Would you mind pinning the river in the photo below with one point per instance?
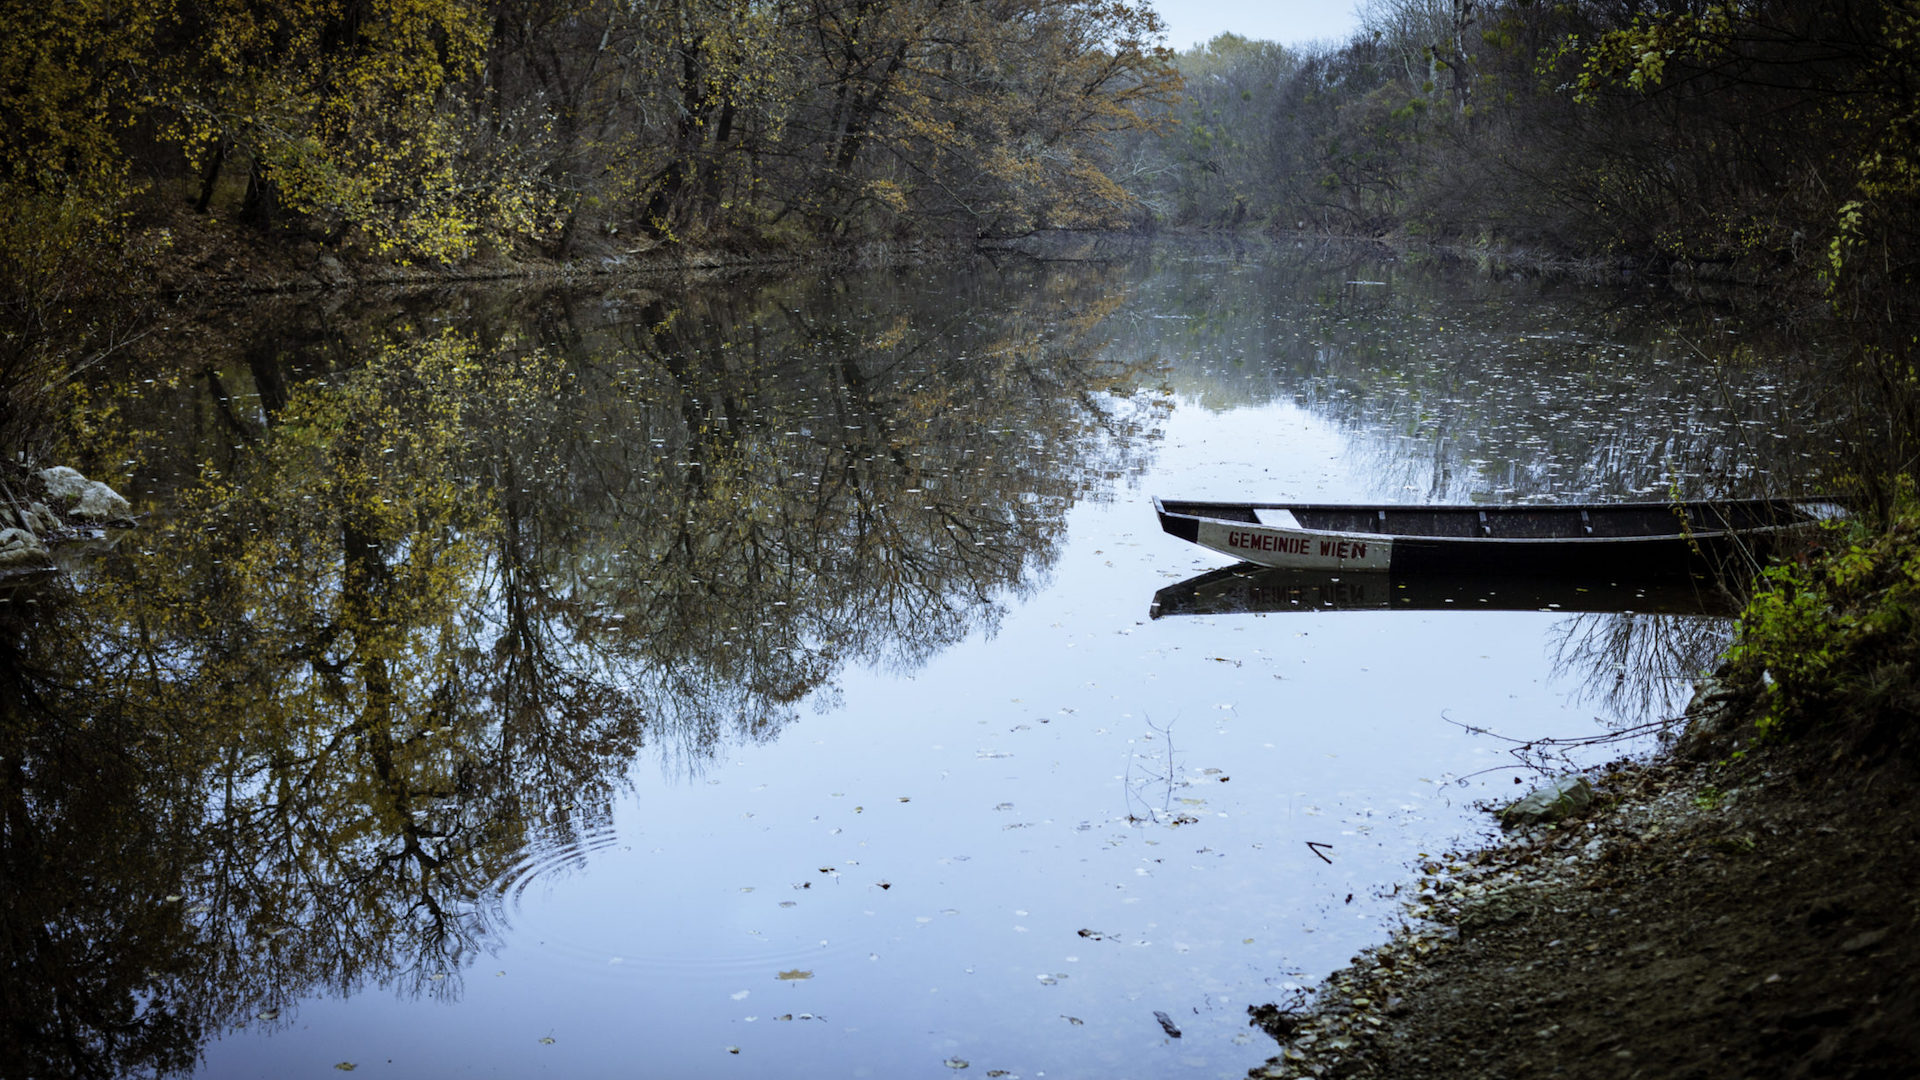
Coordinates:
(758, 678)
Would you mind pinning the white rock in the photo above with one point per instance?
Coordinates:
(85, 500)
(21, 550)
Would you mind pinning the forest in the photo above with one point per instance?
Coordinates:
(1773, 143)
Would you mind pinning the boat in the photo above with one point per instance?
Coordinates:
(1638, 539)
(1245, 589)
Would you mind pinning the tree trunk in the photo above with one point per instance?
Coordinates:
(211, 179)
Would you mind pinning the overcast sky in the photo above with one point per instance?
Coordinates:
(1291, 22)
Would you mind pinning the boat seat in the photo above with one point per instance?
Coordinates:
(1279, 519)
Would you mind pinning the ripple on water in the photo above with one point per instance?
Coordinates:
(546, 858)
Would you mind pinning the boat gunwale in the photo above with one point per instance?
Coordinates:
(1717, 532)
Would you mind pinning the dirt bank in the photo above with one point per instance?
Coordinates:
(1751, 916)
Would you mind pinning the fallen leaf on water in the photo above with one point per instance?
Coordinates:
(794, 975)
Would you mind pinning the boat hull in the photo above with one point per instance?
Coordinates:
(1639, 539)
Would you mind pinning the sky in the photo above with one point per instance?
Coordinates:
(1292, 22)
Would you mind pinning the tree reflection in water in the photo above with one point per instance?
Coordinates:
(295, 737)
(1638, 667)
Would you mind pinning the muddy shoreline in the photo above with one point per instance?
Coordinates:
(1724, 909)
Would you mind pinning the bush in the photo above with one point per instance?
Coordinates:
(1831, 642)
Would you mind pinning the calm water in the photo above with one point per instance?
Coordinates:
(754, 680)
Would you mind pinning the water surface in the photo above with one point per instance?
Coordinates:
(759, 678)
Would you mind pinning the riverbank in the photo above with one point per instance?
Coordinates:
(1712, 914)
(179, 253)
(183, 254)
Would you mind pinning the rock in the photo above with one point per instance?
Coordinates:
(1551, 802)
(85, 500)
(1863, 941)
(21, 550)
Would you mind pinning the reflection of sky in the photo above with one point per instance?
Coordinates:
(989, 791)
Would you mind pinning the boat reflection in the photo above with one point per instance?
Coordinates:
(1631, 648)
(1245, 588)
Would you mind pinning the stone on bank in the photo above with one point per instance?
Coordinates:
(1550, 802)
(79, 506)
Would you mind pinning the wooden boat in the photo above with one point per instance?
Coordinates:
(1243, 589)
(1594, 539)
